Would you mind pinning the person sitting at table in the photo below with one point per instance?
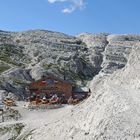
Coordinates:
(54, 99)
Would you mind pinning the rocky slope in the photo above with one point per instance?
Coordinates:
(111, 113)
(111, 50)
(26, 56)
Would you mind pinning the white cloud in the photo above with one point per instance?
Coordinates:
(75, 4)
(68, 10)
(53, 1)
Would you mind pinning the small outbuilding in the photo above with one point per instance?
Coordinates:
(81, 93)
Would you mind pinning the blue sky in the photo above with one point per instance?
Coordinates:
(71, 16)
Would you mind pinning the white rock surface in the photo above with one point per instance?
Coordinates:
(26, 56)
(111, 113)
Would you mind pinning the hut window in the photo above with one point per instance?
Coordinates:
(50, 82)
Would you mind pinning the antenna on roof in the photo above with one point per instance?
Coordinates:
(43, 76)
(64, 75)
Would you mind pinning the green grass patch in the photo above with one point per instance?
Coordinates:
(4, 68)
(49, 66)
(9, 51)
(18, 128)
(17, 80)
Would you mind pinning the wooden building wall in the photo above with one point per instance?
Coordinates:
(55, 86)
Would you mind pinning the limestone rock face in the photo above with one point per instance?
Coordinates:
(27, 56)
(96, 44)
(111, 112)
(131, 74)
(109, 52)
(111, 62)
(117, 51)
